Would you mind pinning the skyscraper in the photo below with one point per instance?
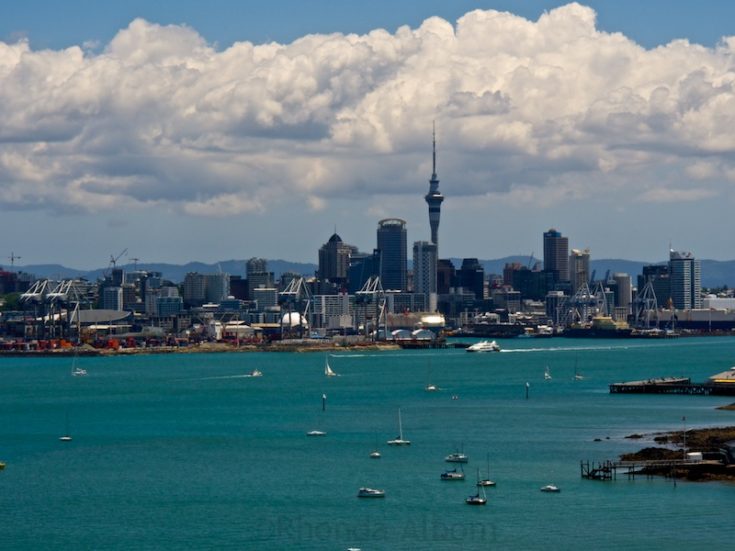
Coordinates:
(424, 271)
(556, 255)
(579, 268)
(686, 282)
(434, 198)
(334, 260)
(393, 254)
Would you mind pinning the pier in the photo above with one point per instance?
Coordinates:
(608, 470)
(673, 385)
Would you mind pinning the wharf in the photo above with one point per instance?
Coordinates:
(608, 470)
(673, 385)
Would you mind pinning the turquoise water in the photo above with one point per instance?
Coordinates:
(185, 452)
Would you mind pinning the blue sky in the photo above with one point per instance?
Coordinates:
(168, 129)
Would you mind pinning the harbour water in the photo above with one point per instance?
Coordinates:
(187, 452)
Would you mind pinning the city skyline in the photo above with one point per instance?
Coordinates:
(159, 135)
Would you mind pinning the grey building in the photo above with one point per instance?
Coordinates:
(686, 280)
(556, 255)
(392, 245)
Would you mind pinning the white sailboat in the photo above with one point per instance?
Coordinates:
(328, 370)
(430, 387)
(479, 498)
(398, 440)
(375, 454)
(577, 375)
(486, 481)
(547, 374)
(77, 371)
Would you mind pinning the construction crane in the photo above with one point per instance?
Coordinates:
(13, 257)
(135, 263)
(114, 259)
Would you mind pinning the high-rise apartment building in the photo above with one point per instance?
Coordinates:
(556, 255)
(686, 280)
(471, 277)
(393, 254)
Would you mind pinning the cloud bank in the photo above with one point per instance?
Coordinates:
(526, 111)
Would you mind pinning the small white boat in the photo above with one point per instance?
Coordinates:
(375, 454)
(370, 492)
(550, 488)
(316, 433)
(484, 346)
(65, 438)
(454, 474)
(79, 372)
(256, 373)
(431, 388)
(399, 440)
(547, 374)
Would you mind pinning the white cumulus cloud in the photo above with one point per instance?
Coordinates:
(529, 110)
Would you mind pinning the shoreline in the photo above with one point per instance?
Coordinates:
(202, 348)
(707, 441)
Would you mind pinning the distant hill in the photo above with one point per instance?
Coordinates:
(715, 273)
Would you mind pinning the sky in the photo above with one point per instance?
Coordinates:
(191, 131)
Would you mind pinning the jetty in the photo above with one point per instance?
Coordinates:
(608, 470)
(674, 385)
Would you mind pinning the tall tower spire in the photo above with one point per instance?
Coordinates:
(434, 198)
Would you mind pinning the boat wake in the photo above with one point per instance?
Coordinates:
(560, 349)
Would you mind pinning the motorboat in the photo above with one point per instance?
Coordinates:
(454, 474)
(370, 492)
(484, 346)
(316, 433)
(256, 373)
(457, 457)
(79, 372)
(550, 488)
(375, 454)
(431, 388)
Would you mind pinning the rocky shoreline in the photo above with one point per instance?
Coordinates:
(708, 441)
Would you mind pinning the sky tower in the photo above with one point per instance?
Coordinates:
(434, 198)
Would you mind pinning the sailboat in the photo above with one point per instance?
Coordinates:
(67, 436)
(547, 374)
(398, 440)
(577, 375)
(479, 498)
(486, 481)
(328, 370)
(430, 387)
(318, 431)
(77, 371)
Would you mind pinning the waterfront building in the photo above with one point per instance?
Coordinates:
(434, 198)
(579, 268)
(265, 297)
(334, 312)
(686, 282)
(556, 255)
(392, 245)
(424, 271)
